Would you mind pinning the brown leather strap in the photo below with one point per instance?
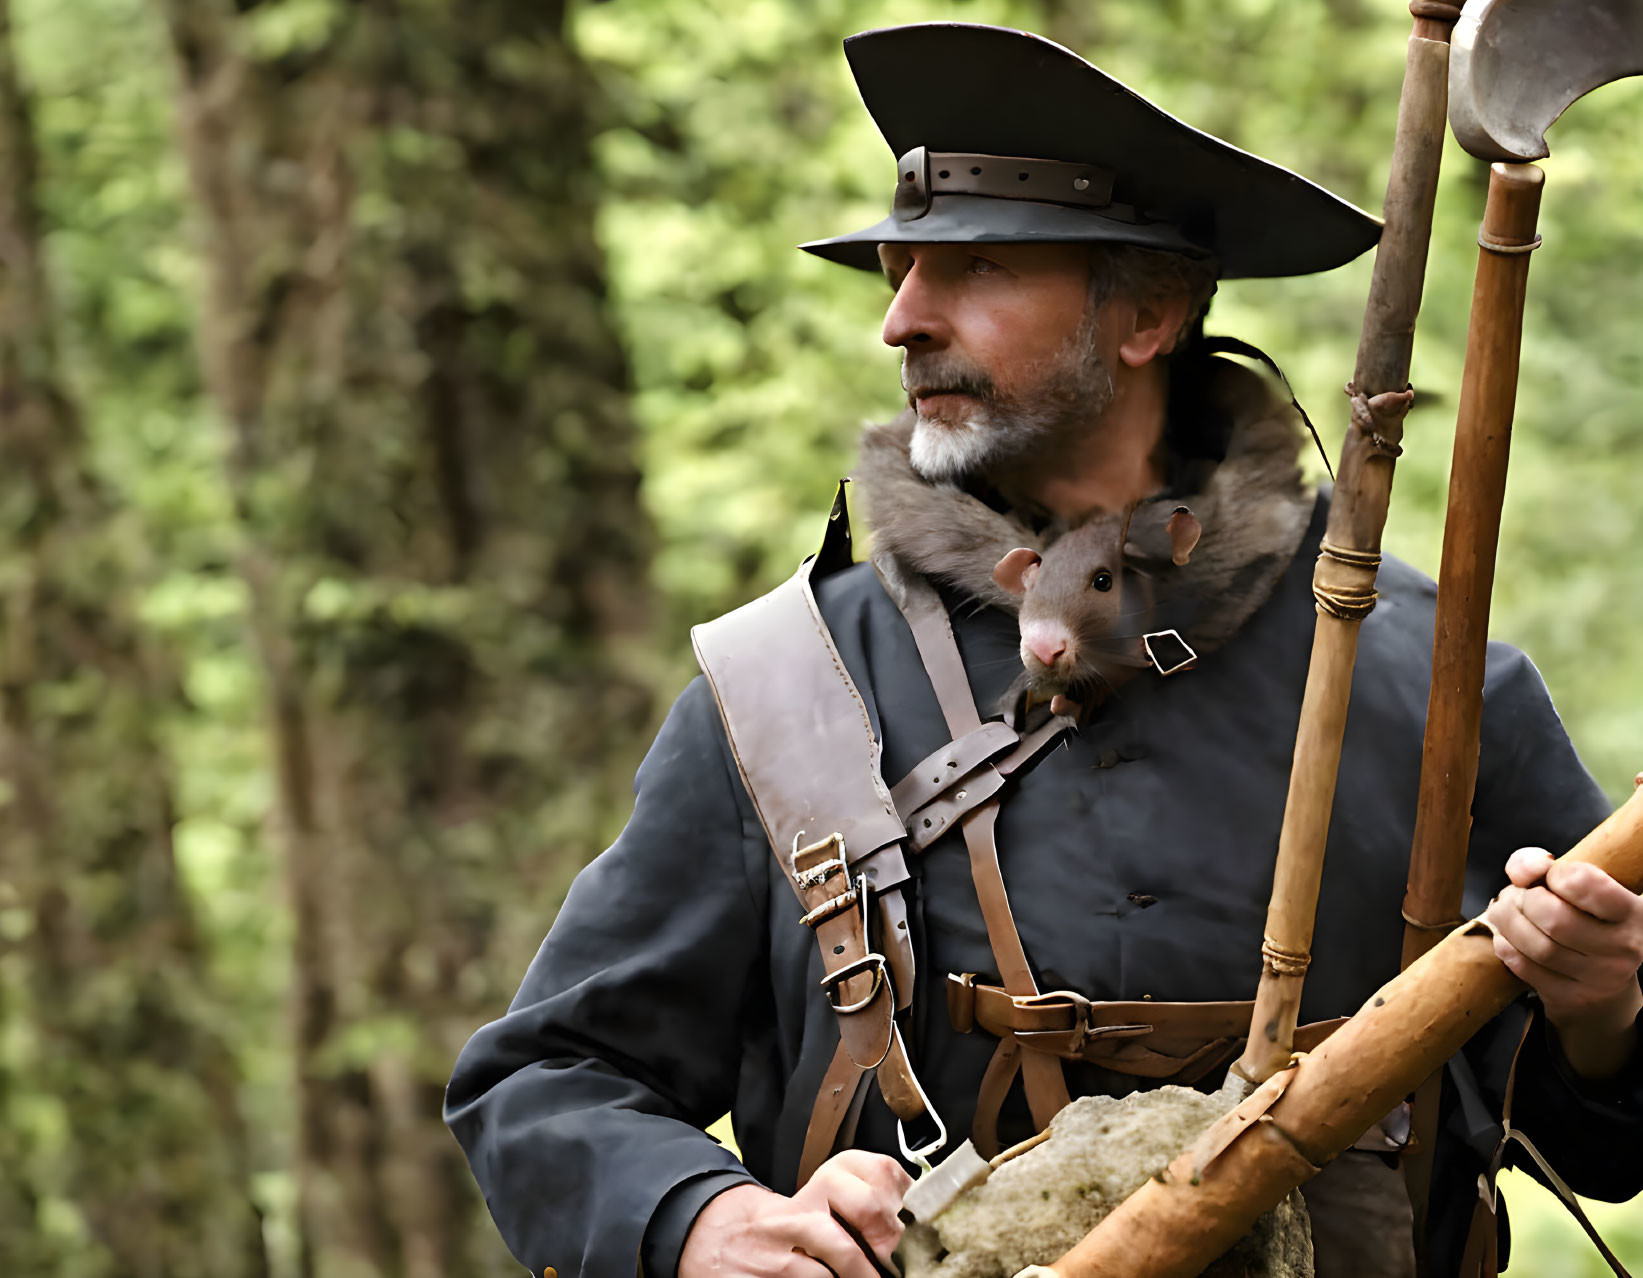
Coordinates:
(1002, 934)
(1482, 1238)
(856, 980)
(1480, 1258)
(898, 946)
(804, 745)
(938, 813)
(1045, 1083)
(995, 1086)
(838, 1090)
(1042, 1076)
(942, 771)
(938, 817)
(1178, 1041)
(798, 728)
(933, 635)
(897, 1083)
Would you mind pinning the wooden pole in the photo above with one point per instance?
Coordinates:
(1344, 580)
(1177, 1223)
(1466, 578)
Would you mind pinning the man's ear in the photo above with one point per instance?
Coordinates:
(1155, 324)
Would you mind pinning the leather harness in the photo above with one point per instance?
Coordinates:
(842, 839)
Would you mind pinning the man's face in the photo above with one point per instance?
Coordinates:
(1001, 352)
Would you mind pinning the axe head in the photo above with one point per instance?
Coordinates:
(1516, 65)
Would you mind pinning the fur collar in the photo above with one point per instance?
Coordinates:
(1253, 506)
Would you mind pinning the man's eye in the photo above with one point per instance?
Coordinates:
(981, 266)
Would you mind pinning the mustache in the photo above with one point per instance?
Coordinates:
(934, 374)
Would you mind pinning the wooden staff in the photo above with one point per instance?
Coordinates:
(1477, 489)
(1344, 580)
(1176, 1224)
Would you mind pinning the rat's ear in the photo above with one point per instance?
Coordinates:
(1161, 532)
(1015, 572)
(1184, 531)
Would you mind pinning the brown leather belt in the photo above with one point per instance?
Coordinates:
(1182, 1042)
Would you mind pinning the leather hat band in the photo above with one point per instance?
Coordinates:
(921, 174)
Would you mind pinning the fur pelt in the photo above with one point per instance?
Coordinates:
(937, 530)
(1253, 506)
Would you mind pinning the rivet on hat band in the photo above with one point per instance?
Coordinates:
(921, 174)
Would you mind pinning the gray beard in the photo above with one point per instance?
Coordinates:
(1010, 433)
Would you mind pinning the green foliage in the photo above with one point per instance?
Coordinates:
(740, 136)
(730, 133)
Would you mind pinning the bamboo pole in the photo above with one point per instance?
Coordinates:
(1177, 1223)
(1466, 578)
(1344, 580)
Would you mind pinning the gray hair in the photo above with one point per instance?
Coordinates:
(1141, 273)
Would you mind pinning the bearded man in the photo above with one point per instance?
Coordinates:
(1093, 913)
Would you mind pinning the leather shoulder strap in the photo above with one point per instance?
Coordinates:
(806, 751)
(798, 727)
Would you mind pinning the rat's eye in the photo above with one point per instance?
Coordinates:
(1103, 580)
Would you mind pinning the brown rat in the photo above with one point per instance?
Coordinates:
(1087, 599)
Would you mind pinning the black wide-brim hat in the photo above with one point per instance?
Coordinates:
(1002, 136)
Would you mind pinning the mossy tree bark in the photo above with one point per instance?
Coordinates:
(432, 467)
(111, 1052)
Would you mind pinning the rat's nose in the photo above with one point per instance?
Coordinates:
(1045, 641)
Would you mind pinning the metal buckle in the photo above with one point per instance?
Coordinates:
(870, 962)
(921, 1156)
(804, 878)
(820, 873)
(1185, 663)
(828, 908)
(816, 875)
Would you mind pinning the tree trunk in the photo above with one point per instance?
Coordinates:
(431, 462)
(120, 1099)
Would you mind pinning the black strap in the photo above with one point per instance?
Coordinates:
(1233, 346)
(1479, 1121)
(1556, 1183)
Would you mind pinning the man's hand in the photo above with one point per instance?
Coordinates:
(750, 1232)
(1575, 935)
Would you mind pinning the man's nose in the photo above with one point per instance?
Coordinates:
(915, 316)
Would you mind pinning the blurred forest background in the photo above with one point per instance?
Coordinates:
(386, 385)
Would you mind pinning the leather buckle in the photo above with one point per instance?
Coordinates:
(1070, 1042)
(1049, 1000)
(1172, 654)
(873, 962)
(1063, 1042)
